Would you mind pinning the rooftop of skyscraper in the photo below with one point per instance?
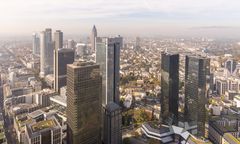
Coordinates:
(82, 63)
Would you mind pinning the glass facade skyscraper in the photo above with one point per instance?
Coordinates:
(46, 54)
(62, 57)
(169, 88)
(108, 57)
(35, 44)
(196, 77)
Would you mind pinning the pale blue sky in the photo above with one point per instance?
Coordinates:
(133, 17)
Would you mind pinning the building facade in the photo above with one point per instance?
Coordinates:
(58, 39)
(84, 84)
(44, 132)
(35, 44)
(231, 65)
(112, 133)
(93, 37)
(108, 57)
(196, 72)
(62, 57)
(169, 88)
(46, 55)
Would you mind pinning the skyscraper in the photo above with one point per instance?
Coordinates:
(35, 44)
(196, 71)
(62, 57)
(84, 84)
(46, 55)
(1, 96)
(93, 36)
(137, 45)
(108, 57)
(58, 39)
(112, 133)
(71, 44)
(169, 88)
(231, 65)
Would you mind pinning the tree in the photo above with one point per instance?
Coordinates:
(126, 141)
(141, 116)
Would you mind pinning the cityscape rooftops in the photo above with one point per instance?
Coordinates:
(43, 125)
(231, 139)
(36, 128)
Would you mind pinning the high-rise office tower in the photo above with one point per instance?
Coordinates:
(196, 72)
(35, 44)
(137, 45)
(71, 44)
(169, 88)
(112, 133)
(1, 96)
(46, 55)
(58, 39)
(231, 65)
(62, 57)
(84, 84)
(108, 57)
(93, 37)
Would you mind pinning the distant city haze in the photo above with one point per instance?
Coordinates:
(125, 17)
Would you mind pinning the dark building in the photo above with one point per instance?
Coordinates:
(84, 84)
(36, 44)
(196, 77)
(62, 57)
(112, 133)
(1, 96)
(169, 88)
(138, 43)
(231, 65)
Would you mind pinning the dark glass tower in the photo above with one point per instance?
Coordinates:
(84, 85)
(196, 76)
(62, 57)
(169, 88)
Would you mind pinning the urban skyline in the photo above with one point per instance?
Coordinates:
(120, 72)
(171, 18)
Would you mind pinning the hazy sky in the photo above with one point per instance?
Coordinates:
(126, 17)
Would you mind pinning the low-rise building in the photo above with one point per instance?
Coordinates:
(47, 131)
(221, 125)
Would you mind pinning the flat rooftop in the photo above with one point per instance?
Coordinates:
(61, 100)
(81, 64)
(36, 113)
(43, 125)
